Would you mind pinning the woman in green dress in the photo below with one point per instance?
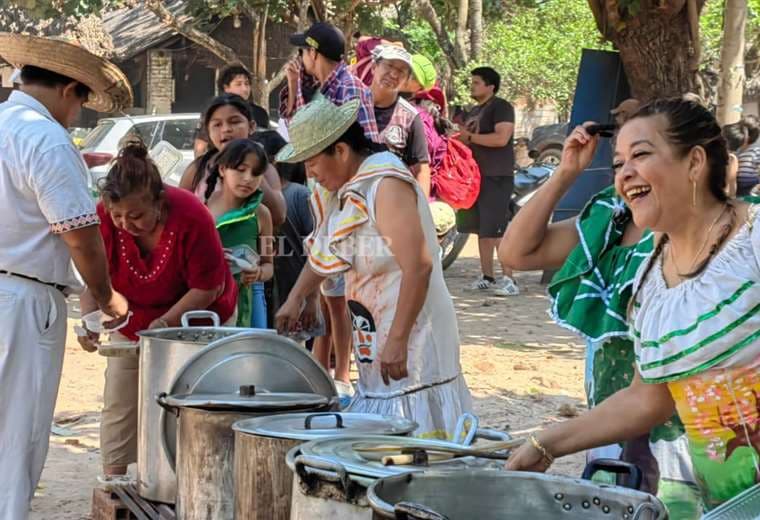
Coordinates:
(598, 254)
(693, 312)
(244, 224)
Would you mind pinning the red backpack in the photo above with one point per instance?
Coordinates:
(457, 180)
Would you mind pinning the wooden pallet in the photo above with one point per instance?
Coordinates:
(124, 503)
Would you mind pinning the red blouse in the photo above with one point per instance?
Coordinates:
(188, 256)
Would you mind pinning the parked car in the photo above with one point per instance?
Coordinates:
(545, 145)
(102, 143)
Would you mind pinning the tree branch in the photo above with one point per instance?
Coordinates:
(453, 56)
(186, 29)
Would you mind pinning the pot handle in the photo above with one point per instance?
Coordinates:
(488, 434)
(309, 418)
(161, 400)
(411, 511)
(329, 470)
(197, 315)
(459, 431)
(619, 467)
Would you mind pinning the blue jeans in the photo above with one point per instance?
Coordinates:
(259, 305)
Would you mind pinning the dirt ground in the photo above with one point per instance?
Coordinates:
(524, 372)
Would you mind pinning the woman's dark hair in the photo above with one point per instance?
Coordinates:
(752, 125)
(735, 135)
(229, 74)
(132, 172)
(233, 100)
(489, 76)
(31, 75)
(292, 172)
(233, 156)
(271, 140)
(691, 124)
(355, 138)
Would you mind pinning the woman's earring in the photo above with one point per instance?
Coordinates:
(694, 194)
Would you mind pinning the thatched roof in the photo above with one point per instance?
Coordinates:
(136, 29)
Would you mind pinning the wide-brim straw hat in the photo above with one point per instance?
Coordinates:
(315, 127)
(110, 88)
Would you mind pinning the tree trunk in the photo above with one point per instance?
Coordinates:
(460, 39)
(656, 53)
(259, 70)
(454, 56)
(476, 29)
(731, 85)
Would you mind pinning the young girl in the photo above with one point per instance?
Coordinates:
(244, 224)
(227, 118)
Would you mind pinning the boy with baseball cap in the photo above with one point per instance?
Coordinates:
(320, 69)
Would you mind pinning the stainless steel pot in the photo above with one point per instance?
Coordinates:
(506, 495)
(331, 478)
(163, 352)
(205, 444)
(263, 482)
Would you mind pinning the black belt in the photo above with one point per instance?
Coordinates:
(49, 284)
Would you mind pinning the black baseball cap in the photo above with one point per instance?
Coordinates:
(323, 37)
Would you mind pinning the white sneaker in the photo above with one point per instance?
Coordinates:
(481, 284)
(506, 287)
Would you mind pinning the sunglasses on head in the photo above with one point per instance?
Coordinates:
(602, 130)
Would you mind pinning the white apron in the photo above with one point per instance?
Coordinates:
(347, 240)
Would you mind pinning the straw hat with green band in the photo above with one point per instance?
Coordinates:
(111, 91)
(424, 71)
(315, 127)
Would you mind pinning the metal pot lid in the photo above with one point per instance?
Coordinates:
(245, 401)
(309, 426)
(269, 361)
(341, 451)
(531, 495)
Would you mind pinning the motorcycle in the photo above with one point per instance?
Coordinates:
(527, 181)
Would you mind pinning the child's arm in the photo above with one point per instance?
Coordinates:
(266, 244)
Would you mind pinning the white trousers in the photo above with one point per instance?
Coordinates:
(32, 343)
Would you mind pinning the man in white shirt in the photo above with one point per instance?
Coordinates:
(48, 219)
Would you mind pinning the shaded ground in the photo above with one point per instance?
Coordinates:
(523, 371)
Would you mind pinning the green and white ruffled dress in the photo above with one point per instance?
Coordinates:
(590, 296)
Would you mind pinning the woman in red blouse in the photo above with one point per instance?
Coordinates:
(166, 258)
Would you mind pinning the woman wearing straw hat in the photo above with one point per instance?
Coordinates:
(49, 219)
(373, 223)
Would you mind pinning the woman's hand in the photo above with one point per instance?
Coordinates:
(159, 323)
(578, 150)
(526, 458)
(309, 318)
(286, 318)
(250, 276)
(393, 361)
(89, 343)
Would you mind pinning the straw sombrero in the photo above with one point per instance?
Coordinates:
(315, 127)
(111, 91)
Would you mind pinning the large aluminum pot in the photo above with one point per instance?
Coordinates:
(263, 481)
(163, 352)
(331, 478)
(506, 495)
(205, 444)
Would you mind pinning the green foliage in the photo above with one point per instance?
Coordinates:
(711, 28)
(418, 38)
(537, 51)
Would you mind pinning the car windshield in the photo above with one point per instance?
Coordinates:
(97, 134)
